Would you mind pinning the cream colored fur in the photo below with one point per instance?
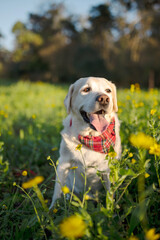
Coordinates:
(70, 157)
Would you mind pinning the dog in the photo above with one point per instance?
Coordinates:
(93, 125)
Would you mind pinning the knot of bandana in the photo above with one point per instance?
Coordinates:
(102, 142)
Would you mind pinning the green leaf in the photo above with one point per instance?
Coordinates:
(126, 172)
(147, 164)
(76, 204)
(138, 215)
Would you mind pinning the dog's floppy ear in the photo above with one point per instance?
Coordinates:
(68, 99)
(114, 95)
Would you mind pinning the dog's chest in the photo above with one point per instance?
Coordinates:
(89, 158)
(82, 155)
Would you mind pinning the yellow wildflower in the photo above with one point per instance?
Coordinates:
(14, 183)
(133, 102)
(6, 106)
(33, 116)
(133, 161)
(54, 149)
(151, 90)
(2, 112)
(141, 140)
(128, 97)
(112, 154)
(153, 111)
(146, 175)
(132, 88)
(53, 105)
(120, 104)
(133, 238)
(155, 149)
(151, 235)
(24, 173)
(119, 110)
(79, 146)
(87, 197)
(65, 189)
(33, 182)
(4, 207)
(73, 227)
(48, 158)
(55, 210)
(136, 105)
(155, 103)
(72, 168)
(130, 154)
(137, 87)
(141, 104)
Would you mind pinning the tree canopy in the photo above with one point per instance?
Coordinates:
(119, 41)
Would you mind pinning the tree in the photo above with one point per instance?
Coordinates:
(54, 46)
(144, 35)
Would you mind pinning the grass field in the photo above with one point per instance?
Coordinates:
(31, 117)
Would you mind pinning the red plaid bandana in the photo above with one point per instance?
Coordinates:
(102, 142)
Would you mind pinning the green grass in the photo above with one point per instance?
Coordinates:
(31, 117)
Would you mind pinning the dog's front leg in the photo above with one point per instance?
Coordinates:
(62, 172)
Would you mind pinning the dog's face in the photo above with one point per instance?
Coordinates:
(91, 99)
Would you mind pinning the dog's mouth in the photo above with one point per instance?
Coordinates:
(96, 120)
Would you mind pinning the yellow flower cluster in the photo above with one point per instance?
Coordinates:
(33, 182)
(121, 104)
(137, 105)
(155, 103)
(3, 113)
(135, 88)
(73, 227)
(112, 154)
(153, 91)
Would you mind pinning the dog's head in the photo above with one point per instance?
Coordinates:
(91, 100)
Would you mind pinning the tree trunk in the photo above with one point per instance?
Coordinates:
(151, 80)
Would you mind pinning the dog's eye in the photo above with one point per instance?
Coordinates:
(108, 90)
(87, 89)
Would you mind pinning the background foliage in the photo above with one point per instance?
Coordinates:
(119, 41)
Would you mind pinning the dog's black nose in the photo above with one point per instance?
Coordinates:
(102, 99)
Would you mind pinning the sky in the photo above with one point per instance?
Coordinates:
(12, 11)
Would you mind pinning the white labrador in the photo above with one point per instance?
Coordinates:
(91, 105)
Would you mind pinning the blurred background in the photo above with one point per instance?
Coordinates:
(61, 41)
